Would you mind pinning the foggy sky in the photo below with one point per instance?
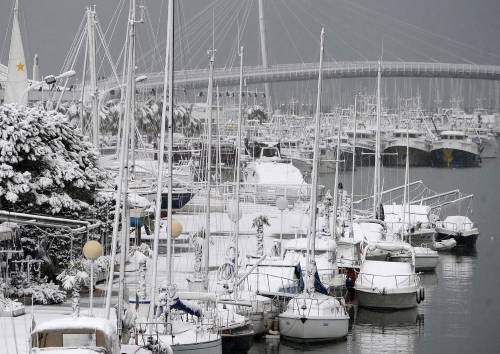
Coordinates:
(423, 30)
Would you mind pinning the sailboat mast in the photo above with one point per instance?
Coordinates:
(121, 193)
(209, 163)
(167, 90)
(313, 207)
(376, 180)
(93, 75)
(353, 159)
(238, 161)
(132, 87)
(407, 177)
(336, 181)
(129, 112)
(171, 45)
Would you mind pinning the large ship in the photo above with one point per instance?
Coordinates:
(419, 148)
(455, 149)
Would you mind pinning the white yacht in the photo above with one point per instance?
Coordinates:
(270, 177)
(314, 317)
(457, 227)
(388, 285)
(82, 335)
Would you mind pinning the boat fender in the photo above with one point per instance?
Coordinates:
(417, 297)
(422, 295)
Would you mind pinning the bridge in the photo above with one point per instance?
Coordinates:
(332, 70)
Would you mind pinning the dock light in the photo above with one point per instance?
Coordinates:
(282, 203)
(231, 211)
(176, 229)
(92, 250)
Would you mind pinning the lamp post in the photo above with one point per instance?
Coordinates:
(49, 80)
(282, 204)
(92, 250)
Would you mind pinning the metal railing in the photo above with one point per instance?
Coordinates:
(305, 307)
(308, 71)
(456, 227)
(400, 281)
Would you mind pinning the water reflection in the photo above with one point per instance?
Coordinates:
(395, 331)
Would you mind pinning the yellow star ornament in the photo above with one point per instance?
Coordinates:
(20, 67)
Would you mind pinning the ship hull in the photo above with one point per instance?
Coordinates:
(397, 157)
(445, 157)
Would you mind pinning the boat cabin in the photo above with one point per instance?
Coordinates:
(91, 334)
(452, 135)
(360, 134)
(401, 133)
(270, 152)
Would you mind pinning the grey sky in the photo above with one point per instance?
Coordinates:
(423, 30)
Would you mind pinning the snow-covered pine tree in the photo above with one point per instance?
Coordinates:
(47, 167)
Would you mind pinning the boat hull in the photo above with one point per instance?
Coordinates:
(313, 329)
(418, 157)
(391, 301)
(179, 199)
(468, 240)
(261, 321)
(209, 347)
(445, 157)
(488, 148)
(238, 340)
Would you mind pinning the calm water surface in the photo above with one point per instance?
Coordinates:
(461, 312)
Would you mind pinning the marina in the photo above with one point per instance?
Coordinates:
(157, 200)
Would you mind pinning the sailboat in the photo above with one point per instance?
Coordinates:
(17, 77)
(167, 312)
(314, 316)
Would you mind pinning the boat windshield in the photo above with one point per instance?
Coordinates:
(94, 340)
(269, 152)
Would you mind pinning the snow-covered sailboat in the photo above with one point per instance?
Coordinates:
(311, 315)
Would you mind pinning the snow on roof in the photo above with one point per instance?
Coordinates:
(80, 323)
(137, 201)
(459, 220)
(371, 231)
(278, 173)
(378, 275)
(386, 268)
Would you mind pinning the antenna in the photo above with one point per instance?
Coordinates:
(382, 51)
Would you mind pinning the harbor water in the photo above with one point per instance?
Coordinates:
(461, 310)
